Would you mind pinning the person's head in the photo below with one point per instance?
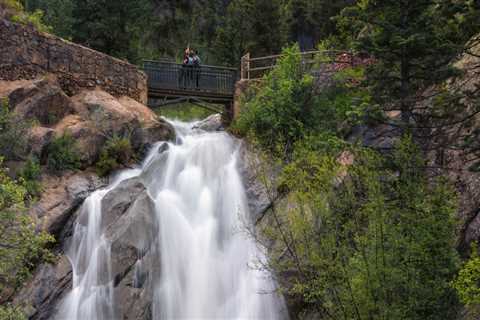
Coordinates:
(191, 53)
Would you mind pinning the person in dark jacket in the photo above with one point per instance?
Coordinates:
(185, 71)
(196, 68)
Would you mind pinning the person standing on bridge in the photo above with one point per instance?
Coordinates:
(185, 72)
(196, 68)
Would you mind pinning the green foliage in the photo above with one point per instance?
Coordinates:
(57, 13)
(254, 26)
(467, 283)
(113, 27)
(367, 237)
(30, 175)
(62, 154)
(13, 133)
(183, 112)
(19, 15)
(11, 313)
(413, 43)
(281, 110)
(116, 154)
(287, 107)
(309, 22)
(20, 245)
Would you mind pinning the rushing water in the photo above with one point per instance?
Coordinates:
(206, 255)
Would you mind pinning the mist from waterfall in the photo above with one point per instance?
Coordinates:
(208, 262)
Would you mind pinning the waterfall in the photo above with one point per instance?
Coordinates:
(208, 262)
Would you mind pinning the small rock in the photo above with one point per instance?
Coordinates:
(211, 123)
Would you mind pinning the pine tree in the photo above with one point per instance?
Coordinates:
(310, 21)
(413, 43)
(113, 27)
(255, 26)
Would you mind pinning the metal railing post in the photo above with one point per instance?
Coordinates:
(248, 65)
(245, 66)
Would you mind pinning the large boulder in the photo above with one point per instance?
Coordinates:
(88, 139)
(131, 235)
(60, 198)
(42, 100)
(117, 201)
(39, 138)
(143, 138)
(105, 111)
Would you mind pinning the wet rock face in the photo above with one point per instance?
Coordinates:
(61, 197)
(254, 173)
(117, 201)
(133, 260)
(128, 221)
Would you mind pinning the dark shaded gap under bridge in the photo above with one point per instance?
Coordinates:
(171, 83)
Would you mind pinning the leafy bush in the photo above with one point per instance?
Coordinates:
(467, 284)
(30, 175)
(287, 106)
(279, 112)
(13, 133)
(20, 245)
(62, 154)
(21, 16)
(116, 153)
(11, 313)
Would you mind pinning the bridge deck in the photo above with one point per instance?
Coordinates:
(169, 80)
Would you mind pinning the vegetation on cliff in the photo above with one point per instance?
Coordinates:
(368, 234)
(367, 230)
(21, 247)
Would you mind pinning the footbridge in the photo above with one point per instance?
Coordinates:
(170, 83)
(213, 86)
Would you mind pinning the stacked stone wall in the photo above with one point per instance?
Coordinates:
(26, 53)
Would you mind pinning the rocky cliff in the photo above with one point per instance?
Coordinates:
(90, 116)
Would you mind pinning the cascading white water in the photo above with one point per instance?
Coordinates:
(206, 255)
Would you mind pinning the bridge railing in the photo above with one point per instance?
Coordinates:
(315, 62)
(163, 75)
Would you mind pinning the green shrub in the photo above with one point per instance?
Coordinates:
(287, 106)
(183, 112)
(30, 175)
(19, 15)
(13, 133)
(62, 154)
(467, 284)
(11, 313)
(116, 153)
(280, 110)
(21, 247)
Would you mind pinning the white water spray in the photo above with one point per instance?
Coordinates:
(206, 255)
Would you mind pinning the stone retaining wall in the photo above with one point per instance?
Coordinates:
(26, 53)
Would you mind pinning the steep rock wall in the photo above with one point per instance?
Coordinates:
(26, 53)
